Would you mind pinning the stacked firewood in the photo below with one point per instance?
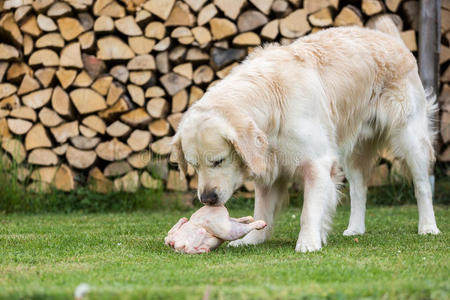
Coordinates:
(92, 91)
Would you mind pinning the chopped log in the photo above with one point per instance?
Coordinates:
(231, 9)
(85, 143)
(173, 83)
(117, 168)
(104, 24)
(203, 74)
(15, 148)
(3, 67)
(80, 159)
(409, 38)
(8, 52)
(157, 107)
(61, 150)
(122, 105)
(195, 4)
(87, 132)
(162, 146)
(180, 16)
(113, 150)
(141, 44)
(349, 15)
(37, 99)
(181, 31)
(393, 5)
(42, 5)
(177, 53)
(42, 157)
(59, 9)
(162, 62)
(21, 13)
(142, 62)
(28, 84)
(19, 126)
(101, 85)
(149, 182)
(97, 182)
(10, 102)
(3, 113)
(160, 8)
(118, 129)
(83, 80)
(176, 182)
(31, 27)
(139, 140)
(444, 55)
(225, 71)
(95, 123)
(45, 23)
(159, 127)
(372, 7)
(39, 187)
(281, 8)
(45, 57)
(114, 10)
(128, 183)
(4, 131)
(50, 40)
(93, 66)
(206, 14)
(196, 55)
(136, 117)
(16, 72)
(250, 20)
(263, 5)
(28, 45)
(87, 101)
(184, 70)
(7, 89)
(162, 45)
(71, 56)
(201, 35)
(321, 18)
(87, 40)
(246, 39)
(110, 48)
(174, 120)
(64, 179)
(140, 77)
(143, 17)
(37, 138)
(49, 117)
(195, 94)
(8, 27)
(222, 28)
(128, 26)
(155, 30)
(154, 91)
(24, 112)
(223, 57)
(61, 102)
(411, 12)
(137, 94)
(120, 73)
(44, 174)
(66, 77)
(295, 25)
(65, 131)
(114, 93)
(45, 76)
(445, 127)
(179, 101)
(86, 20)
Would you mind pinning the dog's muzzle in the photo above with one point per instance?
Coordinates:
(209, 197)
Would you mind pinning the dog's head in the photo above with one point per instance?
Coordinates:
(224, 152)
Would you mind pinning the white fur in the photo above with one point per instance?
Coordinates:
(337, 96)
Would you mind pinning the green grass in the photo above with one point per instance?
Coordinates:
(122, 255)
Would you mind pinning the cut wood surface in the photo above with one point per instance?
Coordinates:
(100, 87)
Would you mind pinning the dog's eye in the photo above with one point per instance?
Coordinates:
(218, 162)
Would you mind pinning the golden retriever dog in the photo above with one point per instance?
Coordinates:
(333, 98)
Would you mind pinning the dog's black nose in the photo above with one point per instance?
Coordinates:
(209, 198)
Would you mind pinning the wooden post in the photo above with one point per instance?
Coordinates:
(429, 44)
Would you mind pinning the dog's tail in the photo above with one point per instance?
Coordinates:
(384, 23)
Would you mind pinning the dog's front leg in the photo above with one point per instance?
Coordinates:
(267, 200)
(320, 199)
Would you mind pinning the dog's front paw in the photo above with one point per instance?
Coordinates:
(354, 231)
(308, 243)
(253, 238)
(429, 229)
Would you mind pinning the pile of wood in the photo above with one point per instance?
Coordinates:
(92, 91)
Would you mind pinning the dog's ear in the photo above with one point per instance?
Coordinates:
(252, 146)
(177, 151)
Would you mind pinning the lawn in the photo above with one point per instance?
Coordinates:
(122, 255)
